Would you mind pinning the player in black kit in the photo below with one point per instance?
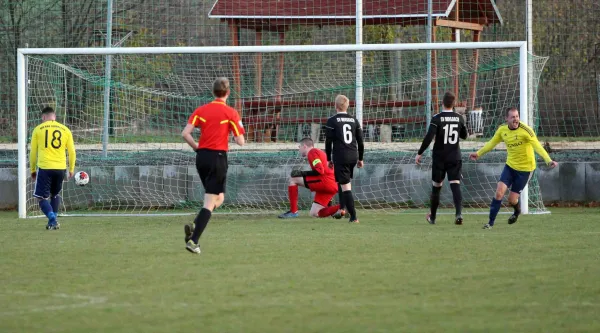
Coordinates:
(448, 127)
(344, 148)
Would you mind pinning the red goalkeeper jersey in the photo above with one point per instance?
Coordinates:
(318, 162)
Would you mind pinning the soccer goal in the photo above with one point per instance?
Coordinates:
(127, 124)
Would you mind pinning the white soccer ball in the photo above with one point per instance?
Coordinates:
(82, 178)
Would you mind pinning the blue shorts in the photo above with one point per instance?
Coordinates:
(48, 183)
(515, 180)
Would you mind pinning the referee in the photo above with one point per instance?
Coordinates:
(215, 121)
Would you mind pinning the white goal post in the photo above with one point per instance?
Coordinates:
(24, 53)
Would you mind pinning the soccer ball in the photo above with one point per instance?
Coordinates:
(82, 178)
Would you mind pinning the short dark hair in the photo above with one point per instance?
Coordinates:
(221, 87)
(47, 110)
(512, 108)
(448, 100)
(307, 141)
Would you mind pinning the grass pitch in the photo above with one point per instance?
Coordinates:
(391, 273)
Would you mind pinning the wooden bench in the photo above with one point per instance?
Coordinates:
(262, 117)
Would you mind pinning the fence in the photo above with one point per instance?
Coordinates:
(566, 31)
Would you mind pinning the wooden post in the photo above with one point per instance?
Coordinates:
(258, 80)
(455, 63)
(281, 68)
(237, 81)
(434, 84)
(455, 69)
(255, 131)
(278, 89)
(473, 82)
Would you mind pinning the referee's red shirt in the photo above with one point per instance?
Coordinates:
(215, 120)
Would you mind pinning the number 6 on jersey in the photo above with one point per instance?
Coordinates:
(347, 129)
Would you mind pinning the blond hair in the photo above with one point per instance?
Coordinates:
(341, 103)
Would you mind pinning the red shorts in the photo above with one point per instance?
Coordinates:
(324, 187)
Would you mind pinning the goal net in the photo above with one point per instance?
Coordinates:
(139, 164)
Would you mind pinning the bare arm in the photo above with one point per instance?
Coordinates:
(186, 134)
(240, 140)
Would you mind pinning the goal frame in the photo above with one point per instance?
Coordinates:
(23, 53)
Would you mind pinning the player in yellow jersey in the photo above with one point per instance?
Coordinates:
(520, 142)
(48, 162)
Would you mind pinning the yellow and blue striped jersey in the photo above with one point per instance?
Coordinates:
(49, 142)
(520, 145)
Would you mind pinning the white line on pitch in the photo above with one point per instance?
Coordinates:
(88, 301)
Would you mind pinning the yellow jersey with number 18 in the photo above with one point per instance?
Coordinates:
(49, 142)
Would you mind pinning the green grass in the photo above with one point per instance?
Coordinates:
(8, 139)
(391, 273)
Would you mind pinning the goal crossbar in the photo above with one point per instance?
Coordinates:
(273, 48)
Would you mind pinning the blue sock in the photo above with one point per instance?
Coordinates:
(494, 209)
(47, 209)
(54, 202)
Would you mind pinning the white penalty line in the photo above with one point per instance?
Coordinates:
(477, 213)
(149, 214)
(385, 211)
(88, 301)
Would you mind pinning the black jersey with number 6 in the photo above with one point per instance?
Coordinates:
(345, 135)
(448, 127)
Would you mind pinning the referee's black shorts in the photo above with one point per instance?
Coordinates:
(343, 172)
(212, 168)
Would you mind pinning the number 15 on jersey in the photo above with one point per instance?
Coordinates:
(450, 134)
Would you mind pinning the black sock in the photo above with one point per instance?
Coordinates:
(457, 197)
(341, 197)
(517, 208)
(349, 199)
(435, 200)
(200, 223)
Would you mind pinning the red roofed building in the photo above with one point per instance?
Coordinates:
(280, 15)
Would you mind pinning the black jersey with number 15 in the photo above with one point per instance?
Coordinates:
(345, 133)
(449, 129)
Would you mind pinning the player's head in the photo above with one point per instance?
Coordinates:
(512, 117)
(48, 113)
(341, 103)
(305, 146)
(448, 100)
(221, 87)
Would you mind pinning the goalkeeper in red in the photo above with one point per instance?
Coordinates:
(520, 142)
(319, 179)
